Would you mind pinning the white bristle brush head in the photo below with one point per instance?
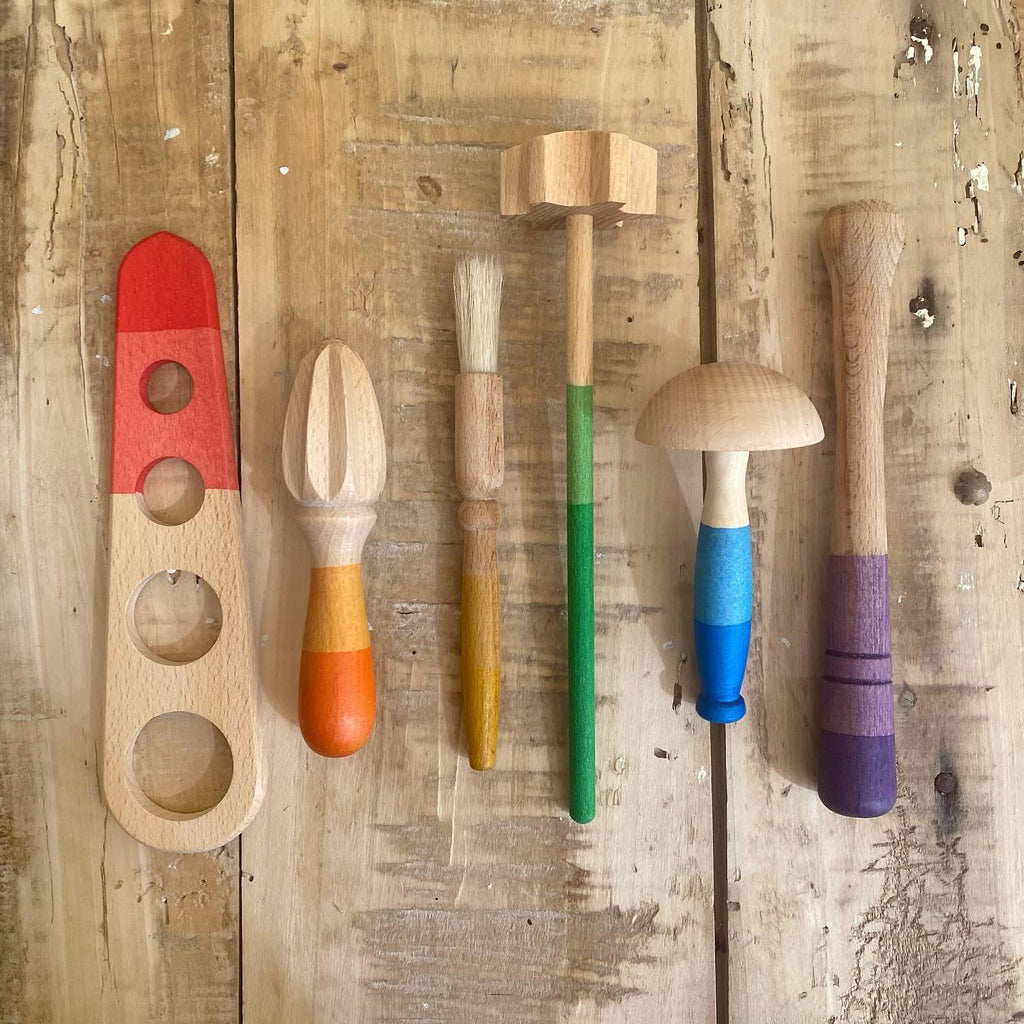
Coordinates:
(477, 312)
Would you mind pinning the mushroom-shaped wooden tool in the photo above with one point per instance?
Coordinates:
(334, 465)
(726, 410)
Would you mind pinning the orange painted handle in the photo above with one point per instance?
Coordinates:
(481, 647)
(337, 701)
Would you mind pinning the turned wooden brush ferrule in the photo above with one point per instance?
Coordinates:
(479, 471)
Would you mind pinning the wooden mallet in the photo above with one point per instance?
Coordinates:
(726, 410)
(586, 180)
(861, 243)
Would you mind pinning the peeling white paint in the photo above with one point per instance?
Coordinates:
(105, 299)
(284, 170)
(168, 30)
(36, 310)
(956, 146)
(702, 773)
(212, 159)
(966, 581)
(961, 236)
(926, 48)
(171, 133)
(926, 317)
(785, 641)
(264, 640)
(668, 645)
(979, 177)
(899, 144)
(970, 87)
(1017, 181)
(899, 599)
(103, 360)
(972, 82)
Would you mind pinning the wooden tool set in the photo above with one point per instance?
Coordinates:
(334, 465)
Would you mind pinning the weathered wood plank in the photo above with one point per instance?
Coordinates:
(398, 884)
(916, 916)
(92, 927)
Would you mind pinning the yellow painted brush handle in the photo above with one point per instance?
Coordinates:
(336, 686)
(481, 631)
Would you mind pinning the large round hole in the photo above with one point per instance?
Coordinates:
(172, 492)
(174, 616)
(182, 762)
(168, 387)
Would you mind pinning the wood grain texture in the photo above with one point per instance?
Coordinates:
(861, 243)
(729, 407)
(419, 889)
(334, 462)
(167, 315)
(95, 927)
(915, 916)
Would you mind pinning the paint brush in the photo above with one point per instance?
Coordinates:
(479, 470)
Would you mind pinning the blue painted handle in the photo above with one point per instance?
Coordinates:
(723, 584)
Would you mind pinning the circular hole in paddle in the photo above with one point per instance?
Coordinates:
(172, 492)
(174, 617)
(167, 387)
(182, 763)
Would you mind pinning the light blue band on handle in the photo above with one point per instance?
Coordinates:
(722, 602)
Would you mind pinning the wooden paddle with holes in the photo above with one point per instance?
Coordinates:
(334, 465)
(167, 314)
(584, 180)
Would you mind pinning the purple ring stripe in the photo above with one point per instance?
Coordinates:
(860, 655)
(857, 710)
(857, 682)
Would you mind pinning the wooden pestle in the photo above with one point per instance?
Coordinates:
(861, 243)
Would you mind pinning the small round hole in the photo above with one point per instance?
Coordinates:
(174, 617)
(172, 492)
(168, 387)
(182, 763)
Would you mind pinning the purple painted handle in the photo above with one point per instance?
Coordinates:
(857, 749)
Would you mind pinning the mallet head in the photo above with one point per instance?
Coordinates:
(604, 174)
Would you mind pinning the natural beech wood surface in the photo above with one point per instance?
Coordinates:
(726, 406)
(334, 461)
(861, 243)
(415, 887)
(601, 174)
(114, 123)
(915, 916)
(219, 686)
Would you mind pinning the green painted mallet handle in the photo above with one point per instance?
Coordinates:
(579, 443)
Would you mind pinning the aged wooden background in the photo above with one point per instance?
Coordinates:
(334, 159)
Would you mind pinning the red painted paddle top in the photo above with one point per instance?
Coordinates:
(167, 312)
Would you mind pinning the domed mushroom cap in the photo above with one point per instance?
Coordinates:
(724, 407)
